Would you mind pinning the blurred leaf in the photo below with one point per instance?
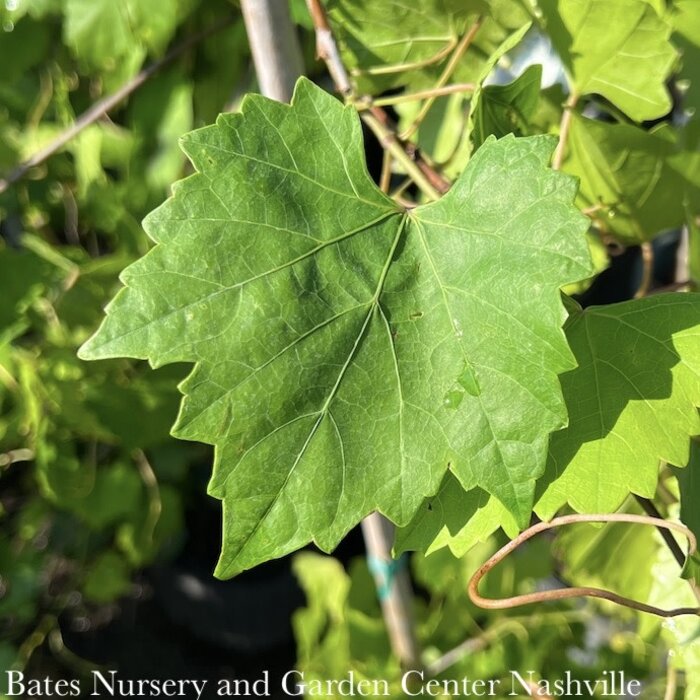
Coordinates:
(106, 34)
(326, 586)
(117, 495)
(25, 277)
(685, 18)
(107, 578)
(20, 576)
(613, 557)
(379, 45)
(145, 537)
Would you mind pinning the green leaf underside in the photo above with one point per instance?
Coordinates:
(506, 109)
(348, 353)
(454, 518)
(632, 402)
(619, 49)
(641, 179)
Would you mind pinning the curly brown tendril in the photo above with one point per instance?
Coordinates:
(577, 591)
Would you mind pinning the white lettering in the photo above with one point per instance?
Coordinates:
(524, 685)
(15, 686)
(291, 686)
(409, 681)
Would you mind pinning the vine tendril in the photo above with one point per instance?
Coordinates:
(576, 591)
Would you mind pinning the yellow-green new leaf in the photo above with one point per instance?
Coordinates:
(642, 181)
(454, 518)
(619, 49)
(348, 353)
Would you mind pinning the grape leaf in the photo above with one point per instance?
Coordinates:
(507, 109)
(25, 277)
(454, 518)
(391, 44)
(641, 179)
(619, 49)
(112, 36)
(445, 132)
(348, 352)
(632, 402)
(107, 578)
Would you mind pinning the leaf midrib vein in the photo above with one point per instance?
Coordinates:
(331, 395)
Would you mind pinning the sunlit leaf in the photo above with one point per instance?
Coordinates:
(348, 353)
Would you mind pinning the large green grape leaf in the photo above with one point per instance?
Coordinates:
(619, 49)
(632, 402)
(642, 180)
(393, 44)
(348, 352)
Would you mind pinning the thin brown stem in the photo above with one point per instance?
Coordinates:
(429, 180)
(499, 629)
(415, 96)
(444, 78)
(22, 454)
(105, 105)
(577, 591)
(671, 679)
(410, 66)
(647, 252)
(34, 641)
(389, 142)
(398, 192)
(684, 286)
(385, 178)
(327, 48)
(564, 127)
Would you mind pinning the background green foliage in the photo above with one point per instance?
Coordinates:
(92, 486)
